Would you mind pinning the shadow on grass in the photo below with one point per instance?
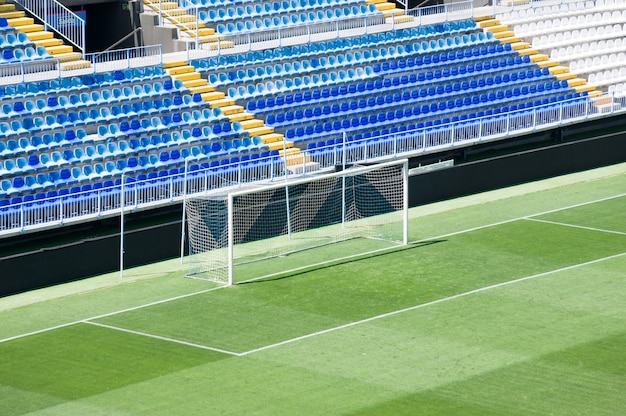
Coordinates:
(318, 267)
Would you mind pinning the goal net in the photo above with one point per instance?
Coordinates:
(268, 230)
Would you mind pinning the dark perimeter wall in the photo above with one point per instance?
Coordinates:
(46, 258)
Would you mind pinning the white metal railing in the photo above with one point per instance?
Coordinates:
(126, 58)
(59, 18)
(443, 12)
(26, 71)
(267, 38)
(159, 191)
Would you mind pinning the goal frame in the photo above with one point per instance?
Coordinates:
(290, 182)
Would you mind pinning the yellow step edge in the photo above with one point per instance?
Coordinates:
(193, 83)
(53, 50)
(67, 57)
(222, 102)
(385, 6)
(260, 130)
(503, 35)
(539, 57)
(187, 76)
(13, 15)
(174, 64)
(231, 109)
(559, 69)
(272, 137)
(519, 45)
(213, 95)
(498, 28)
(39, 35)
(20, 21)
(243, 116)
(250, 124)
(565, 76)
(180, 70)
(576, 82)
(487, 23)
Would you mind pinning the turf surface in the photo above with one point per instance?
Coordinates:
(505, 304)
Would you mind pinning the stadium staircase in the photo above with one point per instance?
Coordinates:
(187, 25)
(36, 32)
(190, 78)
(561, 72)
(390, 10)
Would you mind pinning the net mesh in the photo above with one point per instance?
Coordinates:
(276, 221)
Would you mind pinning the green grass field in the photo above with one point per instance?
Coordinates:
(510, 302)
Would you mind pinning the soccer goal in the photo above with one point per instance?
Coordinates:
(268, 230)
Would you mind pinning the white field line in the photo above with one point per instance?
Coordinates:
(576, 226)
(221, 287)
(481, 227)
(145, 334)
(434, 302)
(109, 314)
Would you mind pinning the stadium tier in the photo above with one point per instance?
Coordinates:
(411, 88)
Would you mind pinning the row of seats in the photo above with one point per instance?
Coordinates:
(579, 22)
(351, 117)
(526, 15)
(566, 38)
(297, 19)
(598, 63)
(140, 168)
(262, 10)
(317, 49)
(588, 49)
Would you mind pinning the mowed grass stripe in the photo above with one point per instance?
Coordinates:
(250, 317)
(83, 360)
(490, 353)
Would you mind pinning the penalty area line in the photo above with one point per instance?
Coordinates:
(431, 303)
(159, 337)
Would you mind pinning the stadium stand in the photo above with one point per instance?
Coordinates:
(217, 118)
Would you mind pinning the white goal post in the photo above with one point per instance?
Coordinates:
(332, 213)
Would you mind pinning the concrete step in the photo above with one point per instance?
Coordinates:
(48, 42)
(13, 14)
(539, 57)
(55, 50)
(201, 89)
(166, 5)
(577, 82)
(260, 131)
(385, 6)
(9, 7)
(187, 76)
(559, 69)
(566, 76)
(252, 123)
(241, 117)
(403, 19)
(504, 35)
(519, 45)
(207, 32)
(213, 95)
(73, 65)
(193, 83)
(69, 56)
(184, 69)
(488, 23)
(498, 28)
(30, 28)
(529, 51)
(39, 35)
(483, 18)
(393, 13)
(375, 1)
(591, 93)
(20, 21)
(272, 137)
(222, 102)
(231, 109)
(546, 64)
(174, 64)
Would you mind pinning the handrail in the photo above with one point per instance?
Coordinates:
(139, 29)
(154, 192)
(59, 18)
